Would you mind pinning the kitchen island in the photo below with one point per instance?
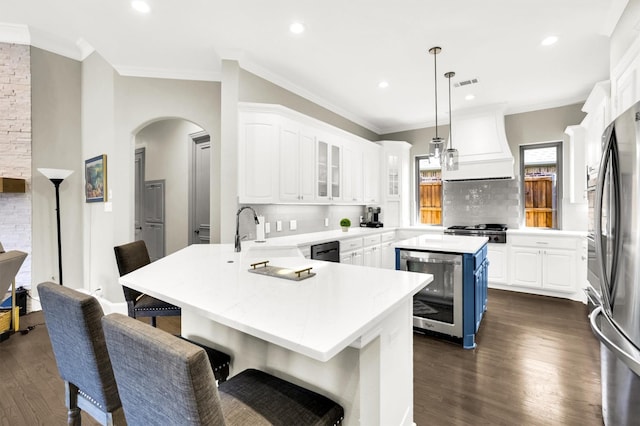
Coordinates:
(455, 301)
(345, 332)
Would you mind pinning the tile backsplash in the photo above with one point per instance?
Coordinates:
(482, 201)
(309, 218)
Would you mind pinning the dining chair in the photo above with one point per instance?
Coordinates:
(133, 256)
(186, 390)
(73, 322)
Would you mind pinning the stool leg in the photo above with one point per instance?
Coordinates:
(71, 399)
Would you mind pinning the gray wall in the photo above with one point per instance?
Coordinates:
(257, 89)
(114, 109)
(57, 143)
(547, 125)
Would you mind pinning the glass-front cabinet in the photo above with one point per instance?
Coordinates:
(328, 168)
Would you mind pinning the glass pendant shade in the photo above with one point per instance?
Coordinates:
(436, 146)
(451, 159)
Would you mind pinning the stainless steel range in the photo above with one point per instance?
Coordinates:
(496, 232)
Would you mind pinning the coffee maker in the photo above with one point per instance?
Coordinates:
(372, 218)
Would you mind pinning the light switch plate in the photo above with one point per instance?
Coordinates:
(108, 207)
(293, 225)
(267, 228)
(278, 225)
(326, 221)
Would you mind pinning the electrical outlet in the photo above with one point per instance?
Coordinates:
(293, 225)
(267, 228)
(326, 221)
(278, 225)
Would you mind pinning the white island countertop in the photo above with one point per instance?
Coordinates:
(443, 243)
(317, 317)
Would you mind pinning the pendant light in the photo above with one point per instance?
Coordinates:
(437, 143)
(451, 154)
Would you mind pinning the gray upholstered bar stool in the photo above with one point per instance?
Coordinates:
(133, 256)
(73, 322)
(186, 390)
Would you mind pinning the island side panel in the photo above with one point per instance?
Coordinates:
(374, 382)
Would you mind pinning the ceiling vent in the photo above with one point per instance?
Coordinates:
(466, 82)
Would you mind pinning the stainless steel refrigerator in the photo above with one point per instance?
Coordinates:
(616, 322)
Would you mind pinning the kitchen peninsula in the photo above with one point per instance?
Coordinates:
(345, 332)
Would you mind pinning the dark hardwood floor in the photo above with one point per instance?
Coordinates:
(537, 363)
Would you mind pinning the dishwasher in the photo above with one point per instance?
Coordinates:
(438, 306)
(329, 251)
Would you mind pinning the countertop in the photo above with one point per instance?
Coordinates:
(300, 240)
(443, 243)
(545, 232)
(318, 317)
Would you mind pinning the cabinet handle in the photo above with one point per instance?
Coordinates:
(542, 242)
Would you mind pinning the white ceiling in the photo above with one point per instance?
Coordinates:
(348, 47)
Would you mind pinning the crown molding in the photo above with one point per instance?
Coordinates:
(262, 72)
(22, 34)
(197, 75)
(14, 33)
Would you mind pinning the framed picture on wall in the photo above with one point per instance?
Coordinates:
(95, 172)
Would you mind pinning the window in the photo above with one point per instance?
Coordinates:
(541, 176)
(428, 191)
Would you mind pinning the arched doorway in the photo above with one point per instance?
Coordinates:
(172, 185)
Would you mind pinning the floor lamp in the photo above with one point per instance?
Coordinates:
(56, 176)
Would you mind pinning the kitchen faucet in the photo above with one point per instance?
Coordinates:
(255, 217)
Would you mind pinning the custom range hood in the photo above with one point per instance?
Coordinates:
(482, 145)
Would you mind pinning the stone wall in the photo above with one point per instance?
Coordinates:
(15, 151)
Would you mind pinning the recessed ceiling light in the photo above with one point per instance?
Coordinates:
(383, 84)
(549, 41)
(470, 97)
(140, 6)
(296, 28)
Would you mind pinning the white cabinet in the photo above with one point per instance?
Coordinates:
(387, 250)
(289, 158)
(371, 173)
(527, 266)
(297, 159)
(598, 109)
(497, 255)
(352, 179)
(257, 154)
(559, 269)
(328, 165)
(351, 251)
(372, 251)
(395, 170)
(547, 263)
